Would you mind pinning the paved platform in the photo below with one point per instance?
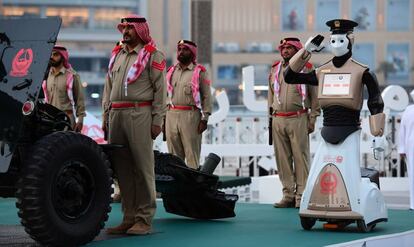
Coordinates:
(254, 225)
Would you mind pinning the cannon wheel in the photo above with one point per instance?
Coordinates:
(64, 193)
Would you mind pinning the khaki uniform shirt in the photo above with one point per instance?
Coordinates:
(183, 94)
(58, 96)
(150, 85)
(289, 97)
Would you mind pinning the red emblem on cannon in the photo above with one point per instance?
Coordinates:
(21, 62)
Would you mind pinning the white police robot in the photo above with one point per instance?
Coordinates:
(335, 191)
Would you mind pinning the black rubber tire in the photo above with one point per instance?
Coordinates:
(362, 227)
(64, 193)
(307, 223)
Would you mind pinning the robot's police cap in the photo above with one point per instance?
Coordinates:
(341, 26)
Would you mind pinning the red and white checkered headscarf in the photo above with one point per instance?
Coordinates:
(295, 42)
(141, 28)
(64, 53)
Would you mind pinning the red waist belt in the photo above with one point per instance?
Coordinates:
(182, 107)
(121, 105)
(291, 113)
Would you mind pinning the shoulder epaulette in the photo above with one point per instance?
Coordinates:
(202, 68)
(72, 71)
(275, 63)
(325, 63)
(116, 49)
(171, 67)
(150, 48)
(360, 64)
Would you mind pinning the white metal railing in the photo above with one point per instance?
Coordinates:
(242, 142)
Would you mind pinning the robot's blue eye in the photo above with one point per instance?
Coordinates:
(342, 41)
(332, 41)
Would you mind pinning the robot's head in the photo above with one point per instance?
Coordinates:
(342, 37)
(340, 44)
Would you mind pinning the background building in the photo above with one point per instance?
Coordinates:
(241, 32)
(247, 33)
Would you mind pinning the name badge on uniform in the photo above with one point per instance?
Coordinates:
(336, 84)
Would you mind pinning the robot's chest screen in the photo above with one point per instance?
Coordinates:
(336, 84)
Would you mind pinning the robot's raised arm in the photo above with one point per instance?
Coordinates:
(292, 77)
(293, 74)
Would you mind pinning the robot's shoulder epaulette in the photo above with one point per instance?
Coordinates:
(360, 64)
(325, 63)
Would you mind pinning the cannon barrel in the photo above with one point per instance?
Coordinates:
(210, 164)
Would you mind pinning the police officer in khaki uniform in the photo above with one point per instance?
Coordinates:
(134, 106)
(63, 88)
(292, 122)
(189, 104)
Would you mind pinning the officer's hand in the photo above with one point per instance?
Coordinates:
(105, 130)
(202, 126)
(155, 131)
(78, 127)
(163, 126)
(311, 127)
(104, 127)
(314, 44)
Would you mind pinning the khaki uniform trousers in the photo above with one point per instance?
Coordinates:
(183, 139)
(134, 164)
(291, 145)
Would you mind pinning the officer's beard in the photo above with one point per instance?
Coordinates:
(185, 59)
(54, 63)
(287, 59)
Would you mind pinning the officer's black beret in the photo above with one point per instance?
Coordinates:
(341, 26)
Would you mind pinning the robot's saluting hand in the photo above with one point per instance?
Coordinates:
(314, 44)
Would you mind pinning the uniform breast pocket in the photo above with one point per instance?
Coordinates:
(115, 70)
(62, 92)
(188, 94)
